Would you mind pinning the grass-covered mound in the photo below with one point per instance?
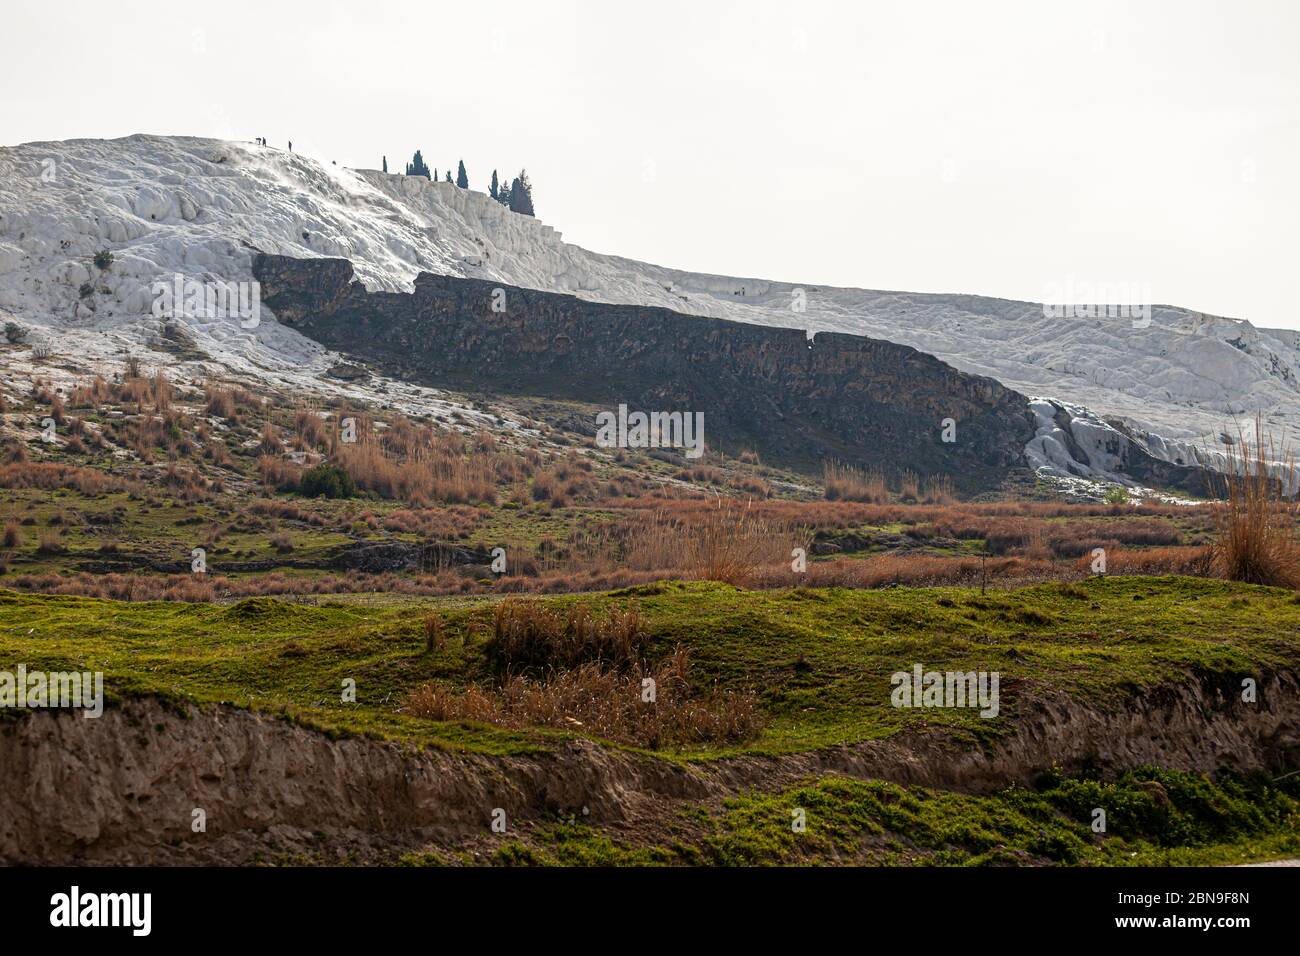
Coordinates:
(817, 662)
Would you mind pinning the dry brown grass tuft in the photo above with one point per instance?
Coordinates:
(720, 540)
(455, 522)
(216, 452)
(185, 483)
(608, 703)
(417, 464)
(269, 442)
(1257, 525)
(90, 395)
(56, 409)
(161, 391)
(726, 543)
(528, 634)
(49, 541)
(219, 401)
(435, 633)
(49, 476)
(310, 429)
(909, 486)
(752, 486)
(286, 510)
(1187, 561)
(700, 475)
(847, 483)
(938, 490)
(279, 473)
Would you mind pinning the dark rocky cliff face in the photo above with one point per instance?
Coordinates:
(855, 399)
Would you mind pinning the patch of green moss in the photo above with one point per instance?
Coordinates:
(1153, 818)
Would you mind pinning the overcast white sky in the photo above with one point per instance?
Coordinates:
(992, 147)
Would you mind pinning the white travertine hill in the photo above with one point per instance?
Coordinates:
(201, 207)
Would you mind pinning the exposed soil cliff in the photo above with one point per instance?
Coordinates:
(123, 788)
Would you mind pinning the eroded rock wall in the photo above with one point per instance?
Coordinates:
(797, 402)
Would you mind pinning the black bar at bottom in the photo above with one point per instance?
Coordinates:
(335, 905)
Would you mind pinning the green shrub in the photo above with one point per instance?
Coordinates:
(327, 481)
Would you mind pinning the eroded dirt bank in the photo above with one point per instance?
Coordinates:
(124, 787)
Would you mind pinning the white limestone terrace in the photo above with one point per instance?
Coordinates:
(201, 207)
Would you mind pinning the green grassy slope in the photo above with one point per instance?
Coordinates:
(819, 660)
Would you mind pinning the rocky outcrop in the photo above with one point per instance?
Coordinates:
(798, 402)
(1074, 443)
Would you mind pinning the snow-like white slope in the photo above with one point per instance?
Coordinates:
(200, 207)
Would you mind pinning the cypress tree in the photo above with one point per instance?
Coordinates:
(385, 164)
(461, 179)
(492, 191)
(449, 175)
(415, 167)
(521, 194)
